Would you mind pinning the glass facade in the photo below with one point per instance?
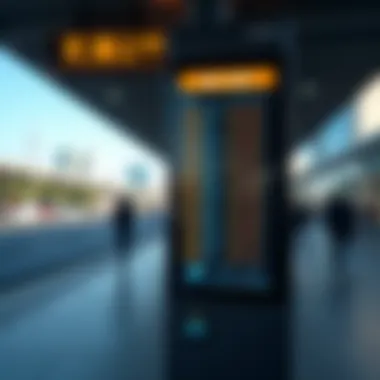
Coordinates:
(337, 134)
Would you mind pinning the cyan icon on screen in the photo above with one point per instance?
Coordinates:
(195, 328)
(195, 272)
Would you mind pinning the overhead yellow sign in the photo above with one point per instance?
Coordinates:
(107, 49)
(229, 79)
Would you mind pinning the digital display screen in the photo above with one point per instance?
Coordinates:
(107, 49)
(233, 79)
(223, 125)
(243, 156)
(225, 171)
(191, 184)
(222, 193)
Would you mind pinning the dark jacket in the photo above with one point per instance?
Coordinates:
(123, 221)
(340, 219)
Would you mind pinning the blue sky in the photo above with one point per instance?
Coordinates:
(37, 117)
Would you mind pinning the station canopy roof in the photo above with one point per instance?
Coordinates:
(335, 51)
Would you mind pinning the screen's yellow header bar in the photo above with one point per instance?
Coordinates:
(107, 49)
(229, 79)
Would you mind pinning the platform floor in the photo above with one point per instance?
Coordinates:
(84, 323)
